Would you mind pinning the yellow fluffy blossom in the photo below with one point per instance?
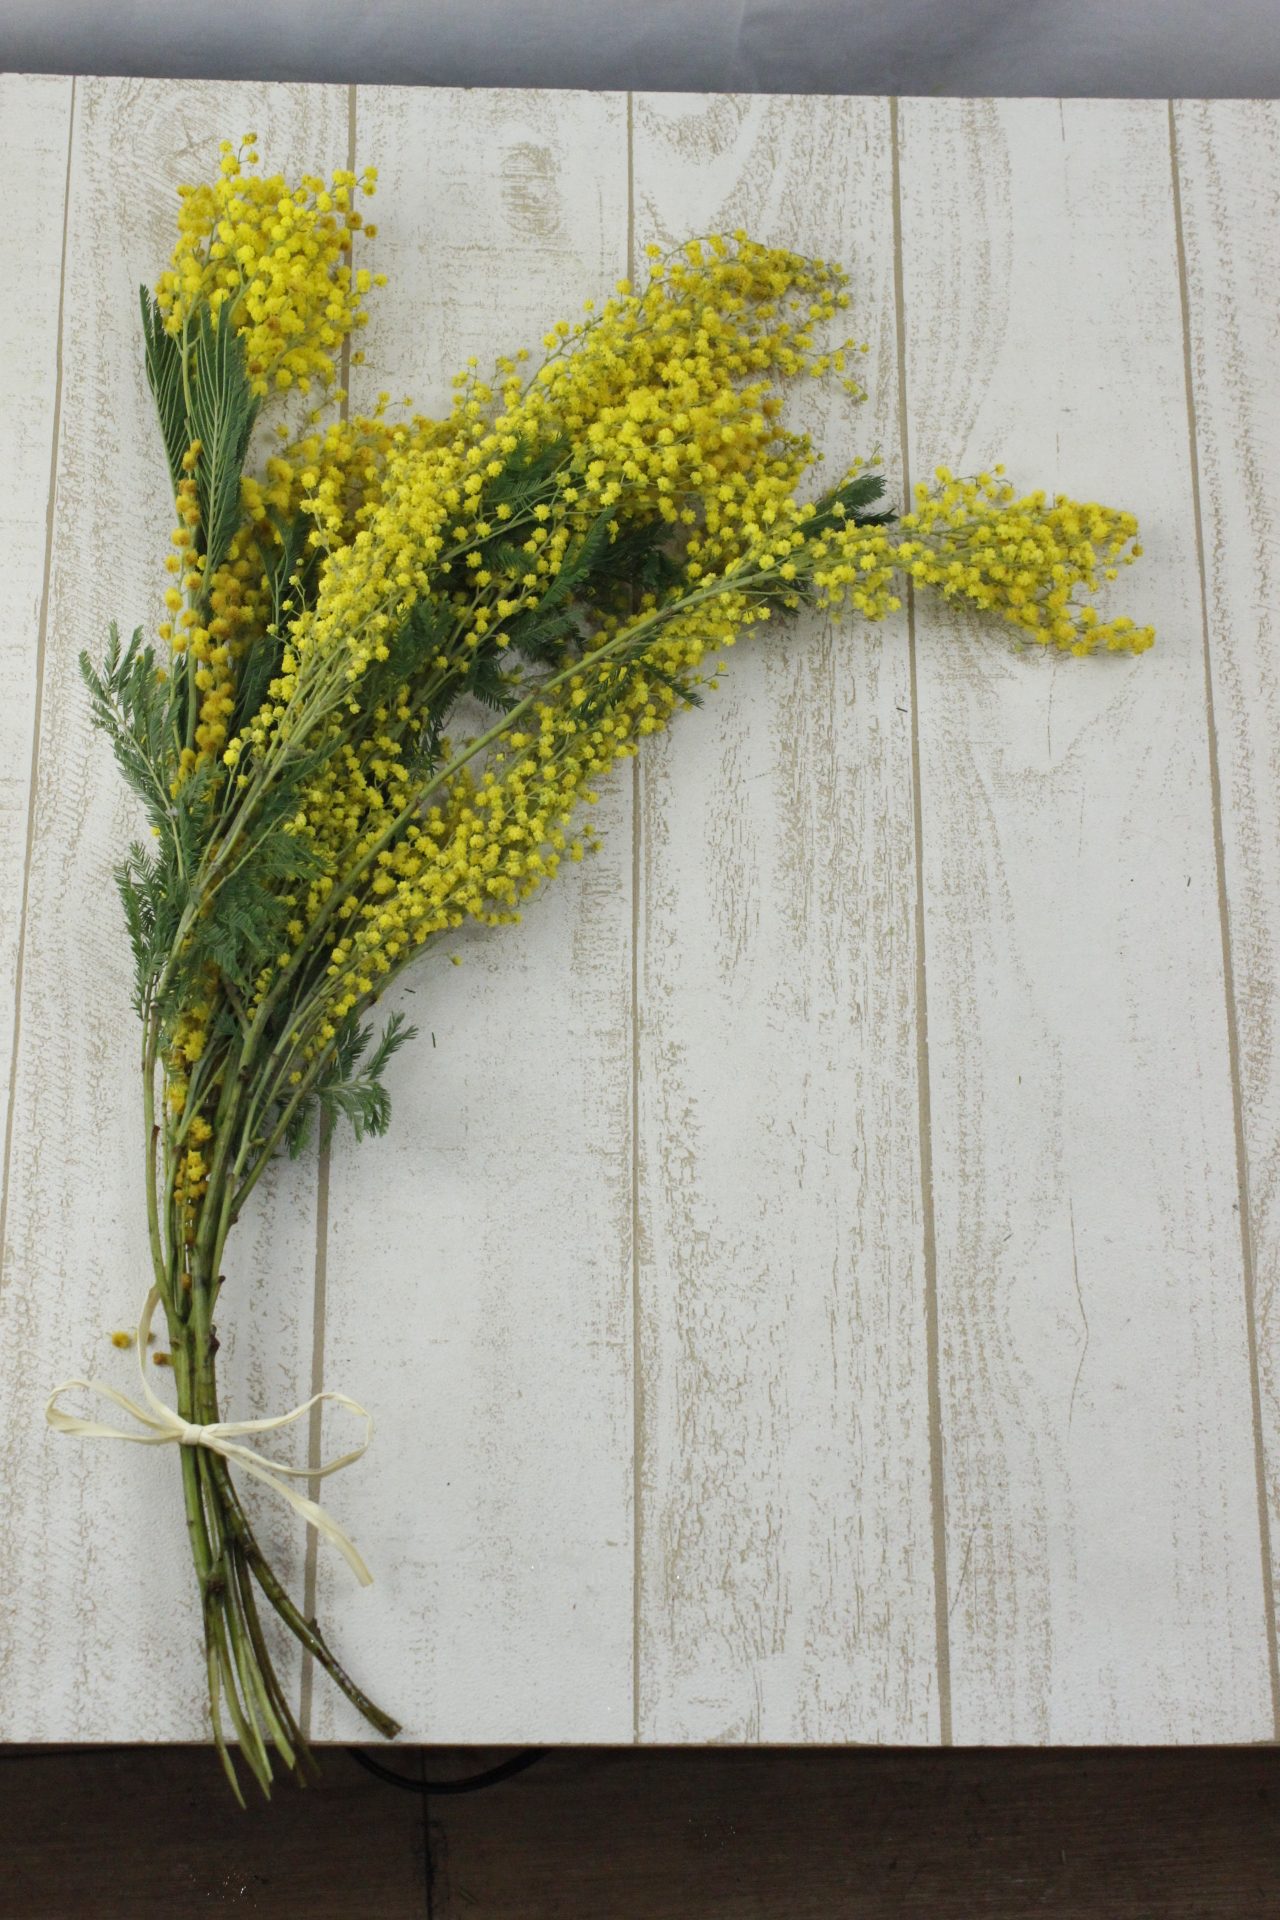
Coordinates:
(273, 261)
(1023, 558)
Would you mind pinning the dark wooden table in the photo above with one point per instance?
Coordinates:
(616, 1834)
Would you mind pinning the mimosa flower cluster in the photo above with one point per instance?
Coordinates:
(274, 261)
(399, 655)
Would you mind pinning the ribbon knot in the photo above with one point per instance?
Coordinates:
(165, 1426)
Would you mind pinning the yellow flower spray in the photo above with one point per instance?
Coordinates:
(401, 656)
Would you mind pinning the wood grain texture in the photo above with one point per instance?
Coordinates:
(99, 1621)
(1102, 1516)
(675, 1835)
(748, 1376)
(479, 1258)
(786, 1564)
(1228, 161)
(35, 136)
(863, 1836)
(145, 1835)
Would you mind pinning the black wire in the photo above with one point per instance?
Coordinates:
(470, 1783)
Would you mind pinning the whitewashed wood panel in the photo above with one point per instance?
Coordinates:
(786, 1545)
(749, 1378)
(477, 1292)
(1228, 159)
(35, 134)
(99, 1614)
(1105, 1568)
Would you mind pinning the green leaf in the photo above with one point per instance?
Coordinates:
(223, 411)
(164, 377)
(130, 703)
(144, 883)
(245, 927)
(855, 496)
(360, 1097)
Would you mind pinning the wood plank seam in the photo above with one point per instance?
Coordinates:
(637, 1371)
(1224, 916)
(936, 1462)
(41, 643)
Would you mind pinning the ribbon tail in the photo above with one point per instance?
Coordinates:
(310, 1510)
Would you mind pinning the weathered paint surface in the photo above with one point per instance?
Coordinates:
(821, 1284)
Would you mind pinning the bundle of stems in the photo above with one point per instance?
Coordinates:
(397, 655)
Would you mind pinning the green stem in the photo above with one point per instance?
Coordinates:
(210, 1571)
(232, 1560)
(285, 1730)
(263, 1159)
(151, 1040)
(303, 1629)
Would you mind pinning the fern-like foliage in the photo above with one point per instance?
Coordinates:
(223, 411)
(290, 571)
(525, 477)
(348, 1091)
(144, 882)
(642, 559)
(250, 910)
(129, 701)
(164, 376)
(547, 635)
(855, 496)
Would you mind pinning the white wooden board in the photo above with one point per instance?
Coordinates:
(1228, 169)
(1104, 1561)
(881, 1342)
(782, 1279)
(35, 134)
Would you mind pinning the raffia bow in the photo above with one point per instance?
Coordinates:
(166, 1427)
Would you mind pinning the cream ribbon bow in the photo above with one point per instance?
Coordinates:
(165, 1427)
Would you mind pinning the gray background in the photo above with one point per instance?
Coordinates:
(1181, 48)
